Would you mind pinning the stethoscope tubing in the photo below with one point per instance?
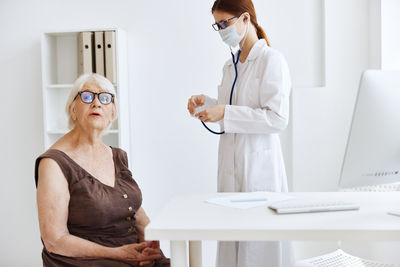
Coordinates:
(235, 62)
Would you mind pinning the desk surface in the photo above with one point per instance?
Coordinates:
(189, 217)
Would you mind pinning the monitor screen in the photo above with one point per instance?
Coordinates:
(372, 154)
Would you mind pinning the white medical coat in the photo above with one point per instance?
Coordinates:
(250, 156)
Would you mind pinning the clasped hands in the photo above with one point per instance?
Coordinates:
(141, 254)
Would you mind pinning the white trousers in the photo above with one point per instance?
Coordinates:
(255, 254)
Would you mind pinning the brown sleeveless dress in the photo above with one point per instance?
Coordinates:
(98, 212)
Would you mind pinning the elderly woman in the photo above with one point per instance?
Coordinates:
(89, 205)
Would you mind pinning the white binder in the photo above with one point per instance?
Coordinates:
(99, 52)
(85, 58)
(109, 46)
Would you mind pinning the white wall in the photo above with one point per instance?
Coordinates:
(173, 53)
(390, 41)
(322, 116)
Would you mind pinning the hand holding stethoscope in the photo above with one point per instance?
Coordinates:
(212, 114)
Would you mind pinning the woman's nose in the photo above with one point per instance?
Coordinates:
(96, 101)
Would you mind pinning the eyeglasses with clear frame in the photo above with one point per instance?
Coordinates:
(87, 97)
(224, 23)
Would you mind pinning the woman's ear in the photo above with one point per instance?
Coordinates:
(246, 17)
(114, 112)
(72, 112)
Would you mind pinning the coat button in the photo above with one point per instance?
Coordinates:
(130, 208)
(125, 195)
(130, 229)
(128, 218)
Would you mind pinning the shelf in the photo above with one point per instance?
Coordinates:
(74, 33)
(66, 86)
(62, 86)
(57, 132)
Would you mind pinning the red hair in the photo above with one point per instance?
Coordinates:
(237, 7)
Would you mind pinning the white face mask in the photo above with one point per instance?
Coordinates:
(230, 35)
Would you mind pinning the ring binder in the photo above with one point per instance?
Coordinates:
(109, 46)
(99, 52)
(85, 60)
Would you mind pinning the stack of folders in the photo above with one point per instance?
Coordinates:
(96, 54)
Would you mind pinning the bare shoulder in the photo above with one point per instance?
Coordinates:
(48, 164)
(50, 173)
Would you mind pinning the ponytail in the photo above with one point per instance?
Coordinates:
(238, 7)
(261, 34)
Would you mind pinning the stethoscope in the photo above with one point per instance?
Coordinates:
(235, 62)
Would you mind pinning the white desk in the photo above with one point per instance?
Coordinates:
(190, 218)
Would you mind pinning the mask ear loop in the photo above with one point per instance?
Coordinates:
(244, 40)
(245, 34)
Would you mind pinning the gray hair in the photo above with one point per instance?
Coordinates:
(97, 79)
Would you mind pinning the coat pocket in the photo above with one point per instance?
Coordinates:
(261, 171)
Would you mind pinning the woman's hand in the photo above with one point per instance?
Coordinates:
(194, 102)
(213, 114)
(141, 254)
(155, 245)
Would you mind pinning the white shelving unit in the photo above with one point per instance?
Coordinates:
(60, 70)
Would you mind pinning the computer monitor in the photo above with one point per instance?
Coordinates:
(372, 154)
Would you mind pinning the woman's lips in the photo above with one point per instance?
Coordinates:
(95, 114)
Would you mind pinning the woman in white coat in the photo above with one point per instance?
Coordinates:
(250, 155)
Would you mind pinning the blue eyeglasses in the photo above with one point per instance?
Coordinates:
(87, 97)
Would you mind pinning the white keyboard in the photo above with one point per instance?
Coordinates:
(311, 205)
(374, 188)
(340, 259)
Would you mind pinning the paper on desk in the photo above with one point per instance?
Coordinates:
(238, 198)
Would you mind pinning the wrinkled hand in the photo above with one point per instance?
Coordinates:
(135, 254)
(213, 114)
(153, 245)
(146, 264)
(194, 102)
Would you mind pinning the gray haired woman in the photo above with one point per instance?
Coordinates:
(89, 205)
